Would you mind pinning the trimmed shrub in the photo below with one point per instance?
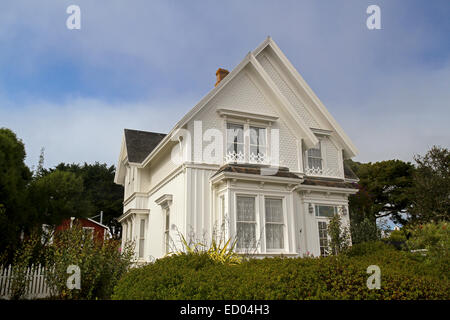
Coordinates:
(196, 276)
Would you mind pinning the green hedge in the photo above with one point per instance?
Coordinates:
(195, 276)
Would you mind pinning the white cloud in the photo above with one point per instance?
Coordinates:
(86, 130)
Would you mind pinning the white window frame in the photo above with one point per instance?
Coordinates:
(235, 123)
(322, 160)
(256, 222)
(326, 220)
(166, 240)
(266, 146)
(246, 125)
(284, 224)
(141, 249)
(335, 208)
(260, 216)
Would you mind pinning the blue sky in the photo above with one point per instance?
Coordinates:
(144, 64)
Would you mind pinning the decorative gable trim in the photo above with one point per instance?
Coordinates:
(349, 148)
(119, 176)
(292, 119)
(299, 129)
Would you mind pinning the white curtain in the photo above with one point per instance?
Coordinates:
(274, 224)
(245, 222)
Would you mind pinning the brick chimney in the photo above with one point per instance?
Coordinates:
(220, 74)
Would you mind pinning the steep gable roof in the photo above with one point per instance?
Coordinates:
(350, 149)
(294, 121)
(139, 144)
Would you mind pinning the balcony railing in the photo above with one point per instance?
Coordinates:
(259, 158)
(323, 172)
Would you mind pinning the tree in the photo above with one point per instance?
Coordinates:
(339, 235)
(14, 178)
(56, 196)
(385, 189)
(431, 190)
(99, 190)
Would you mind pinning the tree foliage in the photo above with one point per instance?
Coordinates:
(14, 177)
(384, 190)
(50, 195)
(100, 191)
(56, 196)
(431, 192)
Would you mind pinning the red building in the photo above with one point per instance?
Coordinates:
(97, 230)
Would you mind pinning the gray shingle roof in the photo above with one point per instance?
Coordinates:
(140, 143)
(254, 169)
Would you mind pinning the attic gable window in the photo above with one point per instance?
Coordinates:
(314, 156)
(258, 144)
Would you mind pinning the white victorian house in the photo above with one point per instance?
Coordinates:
(259, 158)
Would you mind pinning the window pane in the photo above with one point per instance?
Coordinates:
(235, 147)
(167, 219)
(142, 228)
(274, 236)
(258, 136)
(314, 156)
(314, 163)
(246, 235)
(323, 238)
(325, 211)
(245, 209)
(235, 133)
(274, 210)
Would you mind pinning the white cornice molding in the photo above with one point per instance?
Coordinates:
(308, 188)
(131, 212)
(254, 178)
(164, 201)
(133, 196)
(246, 115)
(321, 131)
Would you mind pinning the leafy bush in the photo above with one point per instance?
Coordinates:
(196, 276)
(397, 236)
(101, 264)
(219, 250)
(435, 239)
(364, 230)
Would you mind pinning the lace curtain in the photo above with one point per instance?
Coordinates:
(245, 222)
(274, 224)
